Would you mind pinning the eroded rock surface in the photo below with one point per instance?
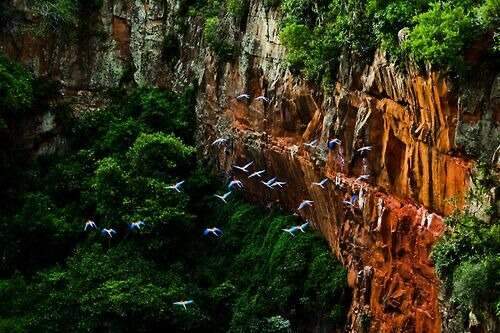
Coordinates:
(412, 121)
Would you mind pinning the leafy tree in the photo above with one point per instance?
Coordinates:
(16, 91)
(440, 34)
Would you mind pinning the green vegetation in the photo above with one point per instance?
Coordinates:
(16, 93)
(62, 17)
(118, 161)
(438, 32)
(467, 258)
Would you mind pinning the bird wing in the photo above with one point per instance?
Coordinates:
(206, 232)
(247, 165)
(180, 183)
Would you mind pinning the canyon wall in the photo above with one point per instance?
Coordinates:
(416, 124)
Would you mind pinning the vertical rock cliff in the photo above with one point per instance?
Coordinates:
(413, 122)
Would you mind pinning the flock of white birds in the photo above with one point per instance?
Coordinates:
(272, 184)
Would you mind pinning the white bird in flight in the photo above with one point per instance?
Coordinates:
(305, 203)
(366, 148)
(136, 225)
(244, 168)
(363, 177)
(302, 226)
(269, 183)
(215, 231)
(89, 224)
(245, 96)
(321, 183)
(334, 142)
(257, 173)
(235, 183)
(352, 201)
(108, 232)
(311, 144)
(263, 98)
(176, 186)
(223, 197)
(291, 230)
(219, 141)
(184, 303)
(280, 184)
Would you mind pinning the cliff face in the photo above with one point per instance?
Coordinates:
(413, 122)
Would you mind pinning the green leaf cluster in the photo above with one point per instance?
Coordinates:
(437, 32)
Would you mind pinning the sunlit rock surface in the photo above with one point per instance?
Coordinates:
(415, 123)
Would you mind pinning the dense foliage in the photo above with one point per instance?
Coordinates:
(437, 32)
(467, 258)
(117, 164)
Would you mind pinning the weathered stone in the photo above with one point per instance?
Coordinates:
(417, 125)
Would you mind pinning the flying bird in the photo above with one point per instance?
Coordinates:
(219, 141)
(223, 197)
(302, 226)
(235, 183)
(176, 186)
(108, 232)
(263, 98)
(269, 183)
(215, 231)
(184, 303)
(243, 96)
(363, 177)
(321, 183)
(291, 230)
(305, 203)
(257, 173)
(311, 144)
(280, 184)
(90, 224)
(351, 201)
(333, 143)
(366, 148)
(244, 168)
(136, 225)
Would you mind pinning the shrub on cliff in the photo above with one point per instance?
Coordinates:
(16, 87)
(62, 17)
(437, 32)
(467, 256)
(441, 34)
(216, 37)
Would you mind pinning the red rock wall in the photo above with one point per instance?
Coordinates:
(409, 119)
(411, 170)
